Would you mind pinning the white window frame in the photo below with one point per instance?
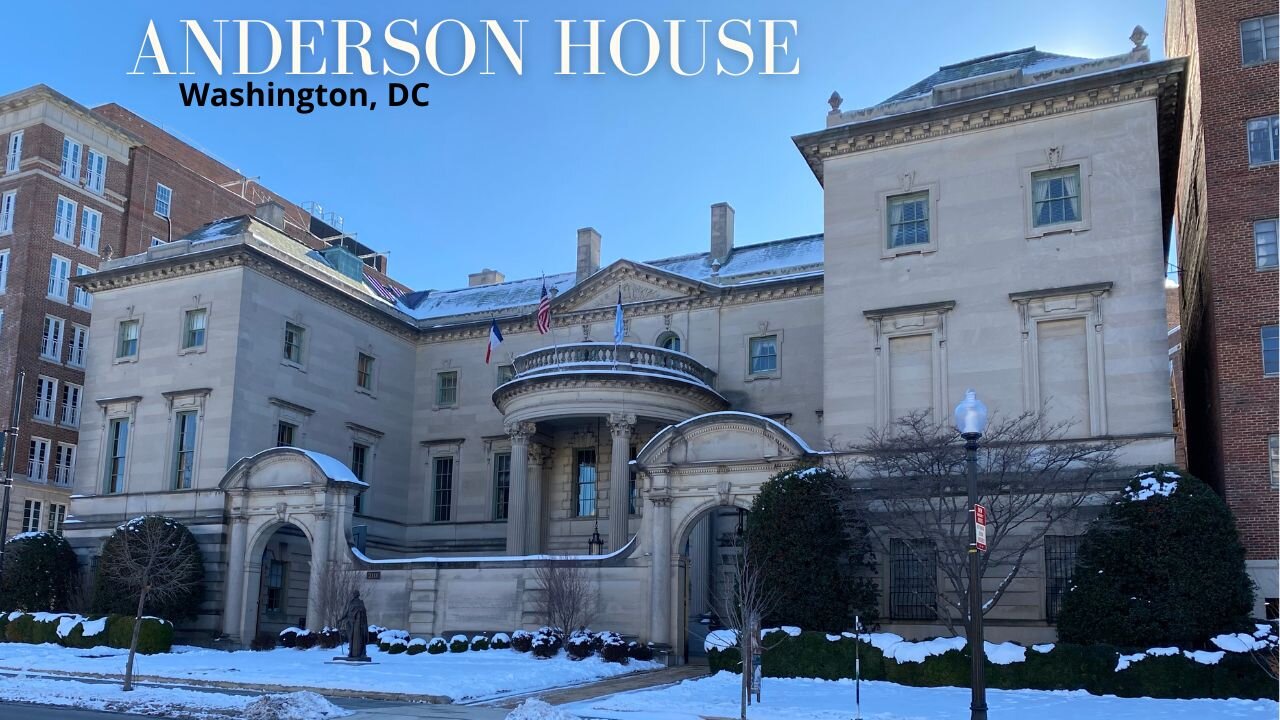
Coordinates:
(31, 511)
(64, 220)
(13, 153)
(119, 340)
(43, 469)
(1262, 29)
(71, 151)
(77, 345)
(1273, 124)
(156, 242)
(439, 387)
(46, 399)
(373, 372)
(69, 401)
(51, 334)
(80, 297)
(64, 464)
(1085, 168)
(1273, 460)
(109, 454)
(187, 315)
(777, 355)
(59, 283)
(90, 229)
(8, 209)
(96, 177)
(1262, 346)
(167, 192)
(57, 517)
(4, 270)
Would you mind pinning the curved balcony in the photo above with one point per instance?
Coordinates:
(593, 378)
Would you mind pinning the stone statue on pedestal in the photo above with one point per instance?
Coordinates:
(355, 622)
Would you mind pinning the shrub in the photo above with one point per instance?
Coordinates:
(579, 645)
(459, 643)
(544, 644)
(40, 571)
(307, 640)
(111, 597)
(417, 646)
(289, 637)
(385, 638)
(522, 641)
(808, 553)
(639, 651)
(479, 642)
(263, 641)
(437, 646)
(45, 628)
(156, 635)
(500, 641)
(87, 633)
(727, 659)
(20, 628)
(1163, 565)
(329, 638)
(4, 620)
(395, 646)
(613, 648)
(372, 637)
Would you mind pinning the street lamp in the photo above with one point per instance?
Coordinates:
(596, 544)
(971, 420)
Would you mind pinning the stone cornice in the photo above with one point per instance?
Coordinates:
(1149, 80)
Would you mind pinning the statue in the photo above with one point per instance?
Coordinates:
(355, 621)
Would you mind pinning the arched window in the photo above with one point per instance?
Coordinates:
(669, 340)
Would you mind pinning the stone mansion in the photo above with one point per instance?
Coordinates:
(1000, 225)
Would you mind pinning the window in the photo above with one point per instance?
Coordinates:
(184, 449)
(46, 398)
(364, 371)
(1055, 196)
(31, 516)
(79, 343)
(193, 328)
(293, 339)
(908, 220)
(1059, 562)
(669, 340)
(51, 340)
(155, 241)
(1264, 140)
(117, 454)
(913, 580)
(585, 489)
(14, 157)
(764, 354)
(1273, 457)
(90, 229)
(57, 516)
(8, 204)
(1258, 39)
(1270, 350)
(79, 296)
(4, 270)
(70, 159)
(64, 464)
(442, 489)
(285, 434)
(501, 485)
(447, 388)
(38, 460)
(164, 200)
(64, 220)
(506, 373)
(69, 407)
(1264, 245)
(359, 456)
(275, 583)
(127, 340)
(59, 278)
(97, 177)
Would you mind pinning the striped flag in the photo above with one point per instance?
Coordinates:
(495, 339)
(544, 310)
(387, 291)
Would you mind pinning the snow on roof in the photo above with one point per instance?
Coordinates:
(333, 468)
(623, 551)
(799, 441)
(1029, 60)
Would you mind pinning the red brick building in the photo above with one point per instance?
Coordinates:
(1226, 217)
(78, 185)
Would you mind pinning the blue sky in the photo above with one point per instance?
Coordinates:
(501, 170)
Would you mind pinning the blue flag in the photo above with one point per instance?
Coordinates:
(618, 330)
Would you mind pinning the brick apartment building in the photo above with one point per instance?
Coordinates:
(1227, 208)
(79, 185)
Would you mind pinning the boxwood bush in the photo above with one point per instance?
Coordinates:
(500, 641)
(40, 570)
(109, 597)
(459, 644)
(155, 636)
(479, 642)
(522, 641)
(437, 646)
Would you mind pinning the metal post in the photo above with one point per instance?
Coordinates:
(11, 457)
(977, 649)
(857, 665)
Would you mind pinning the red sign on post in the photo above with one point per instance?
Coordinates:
(980, 526)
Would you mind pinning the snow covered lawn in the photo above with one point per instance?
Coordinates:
(801, 699)
(459, 676)
(167, 702)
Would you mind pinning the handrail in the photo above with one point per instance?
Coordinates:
(593, 356)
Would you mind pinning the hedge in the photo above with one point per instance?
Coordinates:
(1065, 667)
(156, 635)
(40, 571)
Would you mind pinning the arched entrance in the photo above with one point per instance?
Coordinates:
(709, 555)
(284, 572)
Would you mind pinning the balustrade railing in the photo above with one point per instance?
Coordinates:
(580, 357)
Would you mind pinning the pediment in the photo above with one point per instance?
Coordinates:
(637, 283)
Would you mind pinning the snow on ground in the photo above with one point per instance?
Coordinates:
(460, 676)
(802, 699)
(535, 709)
(167, 702)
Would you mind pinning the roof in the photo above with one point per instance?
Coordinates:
(1029, 60)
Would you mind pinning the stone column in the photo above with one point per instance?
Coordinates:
(660, 571)
(518, 491)
(621, 427)
(534, 510)
(233, 607)
(319, 565)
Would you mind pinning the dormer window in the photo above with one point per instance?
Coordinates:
(1056, 196)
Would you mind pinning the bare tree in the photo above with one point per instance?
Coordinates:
(148, 560)
(336, 588)
(747, 599)
(569, 598)
(910, 483)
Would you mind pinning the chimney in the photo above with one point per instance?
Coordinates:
(721, 232)
(485, 277)
(271, 213)
(588, 253)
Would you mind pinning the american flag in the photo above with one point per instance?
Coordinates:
(544, 311)
(391, 293)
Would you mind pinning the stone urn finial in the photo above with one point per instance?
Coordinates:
(1138, 37)
(834, 101)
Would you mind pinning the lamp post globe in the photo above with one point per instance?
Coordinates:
(971, 415)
